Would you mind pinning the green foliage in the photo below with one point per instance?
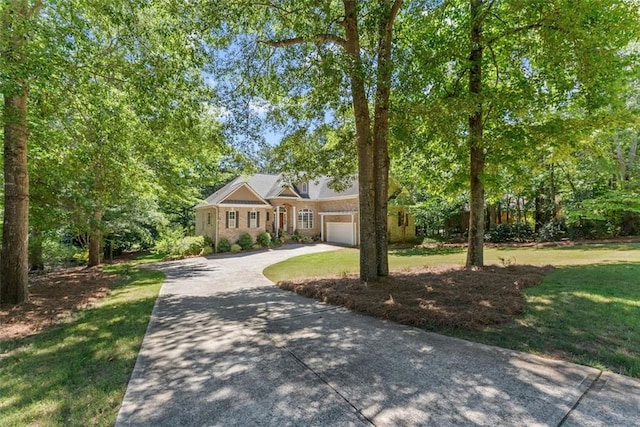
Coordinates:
(174, 243)
(235, 248)
(224, 245)
(245, 241)
(554, 230)
(58, 254)
(264, 239)
(436, 214)
(518, 232)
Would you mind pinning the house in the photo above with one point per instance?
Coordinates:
(263, 202)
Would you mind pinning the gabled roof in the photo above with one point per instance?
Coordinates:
(222, 196)
(267, 186)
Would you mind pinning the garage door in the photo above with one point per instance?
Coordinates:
(340, 232)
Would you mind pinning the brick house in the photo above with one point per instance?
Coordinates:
(262, 202)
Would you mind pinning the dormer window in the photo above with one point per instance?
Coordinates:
(305, 188)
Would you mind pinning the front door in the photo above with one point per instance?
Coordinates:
(283, 221)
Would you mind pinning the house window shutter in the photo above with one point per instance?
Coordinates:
(237, 219)
(400, 218)
(249, 220)
(258, 219)
(227, 219)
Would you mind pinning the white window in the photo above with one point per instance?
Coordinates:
(232, 219)
(253, 219)
(305, 188)
(305, 219)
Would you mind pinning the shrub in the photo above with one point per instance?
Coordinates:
(264, 239)
(224, 245)
(235, 248)
(500, 234)
(56, 253)
(245, 241)
(190, 245)
(555, 229)
(207, 250)
(256, 246)
(518, 232)
(173, 245)
(522, 232)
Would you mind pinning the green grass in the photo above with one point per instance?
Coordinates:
(587, 311)
(76, 373)
(586, 314)
(346, 260)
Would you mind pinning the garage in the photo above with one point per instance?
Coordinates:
(341, 232)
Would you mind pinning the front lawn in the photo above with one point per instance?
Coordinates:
(345, 261)
(76, 373)
(586, 311)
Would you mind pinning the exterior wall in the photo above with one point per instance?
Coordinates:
(241, 224)
(350, 204)
(203, 226)
(405, 232)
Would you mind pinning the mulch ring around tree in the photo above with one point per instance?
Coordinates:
(431, 298)
(54, 296)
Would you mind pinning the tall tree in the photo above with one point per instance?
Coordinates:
(327, 47)
(17, 20)
(524, 62)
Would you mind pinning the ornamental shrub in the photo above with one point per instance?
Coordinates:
(235, 248)
(264, 239)
(224, 245)
(245, 241)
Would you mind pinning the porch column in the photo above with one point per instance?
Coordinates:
(321, 228)
(294, 220)
(277, 221)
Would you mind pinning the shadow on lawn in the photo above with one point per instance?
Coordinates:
(76, 372)
(421, 251)
(571, 246)
(586, 314)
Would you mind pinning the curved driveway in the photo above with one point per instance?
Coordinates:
(224, 347)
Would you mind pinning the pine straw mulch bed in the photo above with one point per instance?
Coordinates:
(431, 298)
(54, 296)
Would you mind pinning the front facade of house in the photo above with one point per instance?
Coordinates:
(257, 203)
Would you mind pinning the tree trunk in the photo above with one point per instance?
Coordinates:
(95, 239)
(366, 177)
(381, 133)
(475, 256)
(15, 265)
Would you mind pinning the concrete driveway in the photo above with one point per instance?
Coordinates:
(226, 348)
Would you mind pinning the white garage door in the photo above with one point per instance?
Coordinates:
(340, 232)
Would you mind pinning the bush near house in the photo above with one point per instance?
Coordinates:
(224, 245)
(245, 241)
(235, 248)
(264, 239)
(183, 246)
